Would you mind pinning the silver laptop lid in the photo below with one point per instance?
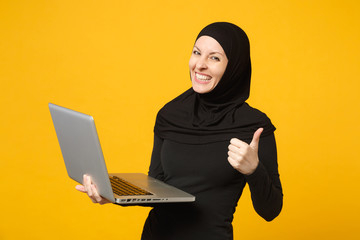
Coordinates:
(80, 147)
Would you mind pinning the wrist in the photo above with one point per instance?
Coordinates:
(253, 169)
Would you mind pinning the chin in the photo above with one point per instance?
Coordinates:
(201, 90)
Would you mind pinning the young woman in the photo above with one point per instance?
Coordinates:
(209, 142)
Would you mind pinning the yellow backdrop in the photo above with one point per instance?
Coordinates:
(122, 60)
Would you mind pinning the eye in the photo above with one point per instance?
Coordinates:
(195, 52)
(215, 58)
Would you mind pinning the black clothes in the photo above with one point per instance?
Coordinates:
(174, 122)
(192, 135)
(221, 114)
(204, 171)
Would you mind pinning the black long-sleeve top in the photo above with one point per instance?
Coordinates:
(204, 171)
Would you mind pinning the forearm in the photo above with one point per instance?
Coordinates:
(267, 197)
(264, 183)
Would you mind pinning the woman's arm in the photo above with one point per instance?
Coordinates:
(264, 182)
(155, 171)
(89, 188)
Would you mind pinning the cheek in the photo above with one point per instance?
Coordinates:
(220, 72)
(192, 63)
(217, 75)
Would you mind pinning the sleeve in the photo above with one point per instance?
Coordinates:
(264, 183)
(155, 169)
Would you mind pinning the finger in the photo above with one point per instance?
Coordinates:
(95, 193)
(80, 188)
(235, 164)
(91, 194)
(241, 151)
(84, 182)
(88, 186)
(104, 201)
(87, 181)
(238, 143)
(233, 148)
(235, 156)
(256, 138)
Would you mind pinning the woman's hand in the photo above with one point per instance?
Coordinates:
(89, 188)
(244, 157)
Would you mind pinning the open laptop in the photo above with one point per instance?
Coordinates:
(82, 154)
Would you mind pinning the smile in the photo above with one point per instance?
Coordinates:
(202, 77)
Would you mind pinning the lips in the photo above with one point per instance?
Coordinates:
(202, 78)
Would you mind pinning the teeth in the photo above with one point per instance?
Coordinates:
(202, 77)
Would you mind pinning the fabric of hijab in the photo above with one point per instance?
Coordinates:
(221, 114)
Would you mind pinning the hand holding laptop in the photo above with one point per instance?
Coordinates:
(90, 189)
(82, 153)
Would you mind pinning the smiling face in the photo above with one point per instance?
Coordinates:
(207, 64)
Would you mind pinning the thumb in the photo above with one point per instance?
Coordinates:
(255, 141)
(80, 188)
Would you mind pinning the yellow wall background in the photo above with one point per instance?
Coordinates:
(121, 61)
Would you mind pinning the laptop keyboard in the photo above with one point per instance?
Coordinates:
(124, 188)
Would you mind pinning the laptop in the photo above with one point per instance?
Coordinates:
(81, 150)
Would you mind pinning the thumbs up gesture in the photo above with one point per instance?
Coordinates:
(244, 157)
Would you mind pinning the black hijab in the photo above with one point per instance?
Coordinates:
(221, 114)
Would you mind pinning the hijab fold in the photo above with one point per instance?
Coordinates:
(221, 114)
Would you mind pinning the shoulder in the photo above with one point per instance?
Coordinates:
(246, 108)
(254, 119)
(256, 114)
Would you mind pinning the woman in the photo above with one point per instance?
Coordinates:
(207, 142)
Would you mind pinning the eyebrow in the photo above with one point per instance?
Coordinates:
(210, 52)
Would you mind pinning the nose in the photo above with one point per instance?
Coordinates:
(201, 63)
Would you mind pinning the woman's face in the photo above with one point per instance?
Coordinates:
(207, 64)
